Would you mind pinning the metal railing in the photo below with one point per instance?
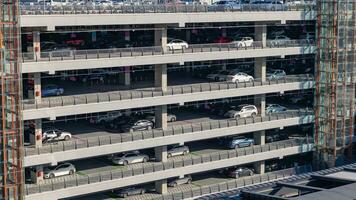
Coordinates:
(156, 133)
(130, 9)
(52, 102)
(155, 50)
(151, 167)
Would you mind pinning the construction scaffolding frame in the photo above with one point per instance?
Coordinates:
(335, 81)
(12, 173)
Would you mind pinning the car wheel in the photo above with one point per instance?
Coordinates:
(237, 116)
(189, 181)
(237, 146)
(149, 127)
(169, 155)
(251, 80)
(145, 159)
(58, 93)
(71, 172)
(251, 173)
(52, 176)
(126, 162)
(175, 184)
(173, 119)
(253, 115)
(142, 191)
(185, 152)
(66, 138)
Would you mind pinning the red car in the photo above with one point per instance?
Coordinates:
(222, 40)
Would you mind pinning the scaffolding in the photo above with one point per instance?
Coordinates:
(335, 84)
(12, 178)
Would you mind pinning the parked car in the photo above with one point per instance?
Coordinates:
(129, 191)
(271, 5)
(104, 119)
(275, 108)
(280, 40)
(244, 42)
(51, 90)
(55, 135)
(180, 181)
(222, 40)
(240, 172)
(276, 137)
(239, 77)
(115, 125)
(275, 74)
(170, 118)
(129, 158)
(95, 75)
(139, 125)
(177, 45)
(236, 142)
(242, 111)
(214, 75)
(228, 4)
(222, 76)
(177, 150)
(60, 170)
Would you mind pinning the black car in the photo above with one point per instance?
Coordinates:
(276, 137)
(140, 125)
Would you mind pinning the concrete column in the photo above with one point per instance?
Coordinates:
(36, 136)
(125, 77)
(260, 69)
(261, 33)
(37, 86)
(161, 156)
(161, 111)
(161, 186)
(188, 35)
(36, 45)
(260, 139)
(37, 174)
(260, 74)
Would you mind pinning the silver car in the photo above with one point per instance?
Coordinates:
(129, 158)
(170, 118)
(180, 181)
(130, 191)
(177, 150)
(242, 111)
(60, 170)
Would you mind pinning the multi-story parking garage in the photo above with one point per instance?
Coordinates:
(101, 83)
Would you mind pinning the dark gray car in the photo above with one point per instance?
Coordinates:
(130, 191)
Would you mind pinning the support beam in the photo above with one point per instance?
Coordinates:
(161, 117)
(261, 33)
(161, 186)
(259, 138)
(37, 174)
(36, 136)
(36, 45)
(125, 77)
(161, 156)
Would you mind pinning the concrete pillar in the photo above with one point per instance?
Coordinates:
(260, 75)
(37, 174)
(125, 77)
(36, 136)
(260, 139)
(161, 156)
(35, 92)
(261, 33)
(161, 111)
(260, 69)
(36, 45)
(161, 186)
(188, 35)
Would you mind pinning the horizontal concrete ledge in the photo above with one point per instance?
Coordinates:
(59, 111)
(145, 178)
(52, 21)
(53, 66)
(53, 158)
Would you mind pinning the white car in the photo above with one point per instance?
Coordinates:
(244, 42)
(60, 170)
(55, 135)
(239, 77)
(242, 111)
(177, 45)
